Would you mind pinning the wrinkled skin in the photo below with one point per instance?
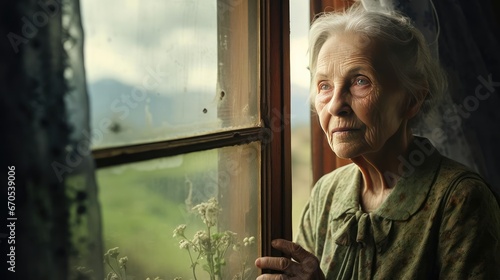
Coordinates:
(364, 113)
(304, 266)
(358, 100)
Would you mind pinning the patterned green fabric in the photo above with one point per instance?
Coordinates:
(441, 221)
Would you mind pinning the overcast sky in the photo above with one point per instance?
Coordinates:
(299, 26)
(127, 40)
(123, 39)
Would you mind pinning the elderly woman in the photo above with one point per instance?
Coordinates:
(401, 210)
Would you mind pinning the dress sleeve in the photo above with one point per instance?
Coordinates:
(307, 227)
(469, 238)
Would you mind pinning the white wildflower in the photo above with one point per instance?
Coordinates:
(179, 231)
(208, 211)
(236, 247)
(184, 244)
(123, 262)
(251, 240)
(201, 240)
(113, 253)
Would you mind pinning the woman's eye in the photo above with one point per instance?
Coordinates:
(361, 81)
(324, 87)
(361, 86)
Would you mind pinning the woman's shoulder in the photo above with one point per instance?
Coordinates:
(450, 166)
(455, 179)
(453, 173)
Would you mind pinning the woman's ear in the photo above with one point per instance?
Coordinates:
(415, 103)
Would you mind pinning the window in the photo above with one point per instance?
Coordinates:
(189, 101)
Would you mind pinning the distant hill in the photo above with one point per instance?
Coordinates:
(152, 115)
(114, 99)
(148, 115)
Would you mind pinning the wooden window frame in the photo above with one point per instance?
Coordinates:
(274, 133)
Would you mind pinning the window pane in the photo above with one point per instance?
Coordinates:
(142, 203)
(160, 70)
(300, 109)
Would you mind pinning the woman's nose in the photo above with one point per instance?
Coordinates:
(338, 105)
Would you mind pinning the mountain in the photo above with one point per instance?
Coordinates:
(124, 113)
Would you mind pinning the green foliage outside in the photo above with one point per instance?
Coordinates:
(142, 206)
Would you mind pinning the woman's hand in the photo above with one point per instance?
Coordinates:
(304, 266)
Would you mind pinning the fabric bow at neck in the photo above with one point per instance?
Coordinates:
(363, 228)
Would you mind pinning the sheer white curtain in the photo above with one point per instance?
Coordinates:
(424, 17)
(464, 37)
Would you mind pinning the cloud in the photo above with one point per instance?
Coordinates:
(124, 38)
(299, 61)
(299, 28)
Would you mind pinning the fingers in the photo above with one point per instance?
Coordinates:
(274, 263)
(287, 267)
(272, 277)
(292, 249)
(307, 266)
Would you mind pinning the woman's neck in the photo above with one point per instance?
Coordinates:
(380, 169)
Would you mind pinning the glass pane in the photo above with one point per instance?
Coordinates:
(300, 109)
(143, 203)
(160, 70)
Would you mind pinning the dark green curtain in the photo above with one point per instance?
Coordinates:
(45, 109)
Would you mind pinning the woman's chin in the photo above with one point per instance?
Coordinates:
(346, 151)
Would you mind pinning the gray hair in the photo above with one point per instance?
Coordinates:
(410, 56)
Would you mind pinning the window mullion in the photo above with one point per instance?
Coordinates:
(134, 153)
(276, 152)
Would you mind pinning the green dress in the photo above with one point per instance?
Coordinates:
(441, 221)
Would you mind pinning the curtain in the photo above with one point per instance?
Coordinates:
(80, 182)
(46, 141)
(468, 46)
(463, 36)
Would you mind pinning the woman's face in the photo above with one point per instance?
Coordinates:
(358, 100)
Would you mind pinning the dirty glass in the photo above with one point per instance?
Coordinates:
(160, 70)
(209, 200)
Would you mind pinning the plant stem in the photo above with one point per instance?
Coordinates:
(112, 268)
(193, 265)
(120, 275)
(219, 257)
(244, 265)
(210, 255)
